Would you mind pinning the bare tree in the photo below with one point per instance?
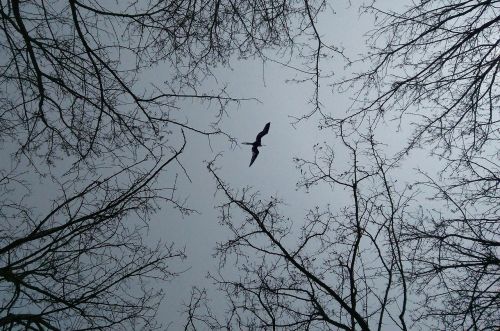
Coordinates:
(72, 70)
(83, 265)
(198, 312)
(455, 260)
(383, 260)
(434, 67)
(79, 111)
(338, 268)
(388, 257)
(437, 63)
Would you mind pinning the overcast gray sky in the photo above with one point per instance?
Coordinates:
(273, 173)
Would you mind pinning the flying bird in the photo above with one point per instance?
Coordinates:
(257, 143)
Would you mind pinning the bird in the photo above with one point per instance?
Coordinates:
(257, 143)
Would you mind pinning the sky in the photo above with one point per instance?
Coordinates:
(273, 173)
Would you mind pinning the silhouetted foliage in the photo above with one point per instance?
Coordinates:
(382, 260)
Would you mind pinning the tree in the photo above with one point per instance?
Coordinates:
(76, 67)
(79, 112)
(338, 268)
(84, 263)
(433, 68)
(436, 65)
(439, 62)
(383, 260)
(455, 260)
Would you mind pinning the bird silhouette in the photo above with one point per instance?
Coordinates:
(257, 143)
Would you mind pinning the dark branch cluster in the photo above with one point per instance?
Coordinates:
(384, 259)
(434, 67)
(339, 268)
(396, 256)
(84, 106)
(72, 72)
(456, 261)
(436, 63)
(83, 264)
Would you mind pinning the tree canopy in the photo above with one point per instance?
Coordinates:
(86, 131)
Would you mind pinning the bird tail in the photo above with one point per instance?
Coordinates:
(247, 143)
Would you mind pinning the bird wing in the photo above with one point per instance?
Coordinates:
(263, 133)
(255, 152)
